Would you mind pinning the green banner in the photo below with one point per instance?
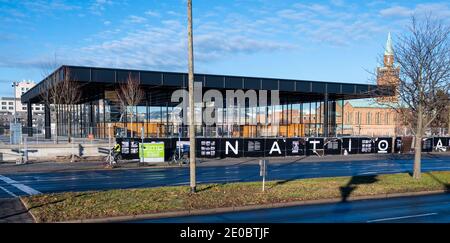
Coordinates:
(151, 152)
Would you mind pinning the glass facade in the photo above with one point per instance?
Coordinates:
(105, 117)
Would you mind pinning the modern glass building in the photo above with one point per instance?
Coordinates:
(306, 108)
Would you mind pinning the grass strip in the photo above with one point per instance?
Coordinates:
(99, 204)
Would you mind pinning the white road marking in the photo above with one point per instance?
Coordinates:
(366, 173)
(28, 190)
(7, 191)
(403, 217)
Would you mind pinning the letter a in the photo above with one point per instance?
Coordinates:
(277, 149)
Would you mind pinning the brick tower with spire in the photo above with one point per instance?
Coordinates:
(389, 74)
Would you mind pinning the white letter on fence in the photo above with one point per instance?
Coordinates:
(228, 145)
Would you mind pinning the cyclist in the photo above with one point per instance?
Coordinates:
(116, 152)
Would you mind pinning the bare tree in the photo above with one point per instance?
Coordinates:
(70, 95)
(49, 88)
(423, 55)
(130, 95)
(51, 94)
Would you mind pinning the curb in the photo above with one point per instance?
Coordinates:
(28, 210)
(119, 219)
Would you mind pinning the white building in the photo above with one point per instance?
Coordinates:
(7, 103)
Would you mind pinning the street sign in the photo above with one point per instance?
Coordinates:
(151, 152)
(16, 133)
(263, 167)
(263, 171)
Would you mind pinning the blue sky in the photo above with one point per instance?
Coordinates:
(334, 40)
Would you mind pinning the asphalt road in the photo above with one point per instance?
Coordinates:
(17, 184)
(418, 209)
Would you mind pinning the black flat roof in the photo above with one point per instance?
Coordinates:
(95, 80)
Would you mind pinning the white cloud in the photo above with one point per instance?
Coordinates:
(165, 47)
(152, 13)
(439, 10)
(397, 11)
(98, 6)
(136, 19)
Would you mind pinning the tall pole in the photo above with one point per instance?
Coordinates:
(15, 109)
(191, 100)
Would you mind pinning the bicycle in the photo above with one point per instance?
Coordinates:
(180, 157)
(112, 160)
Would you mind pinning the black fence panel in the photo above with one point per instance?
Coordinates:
(351, 145)
(398, 144)
(314, 145)
(427, 144)
(366, 145)
(383, 145)
(254, 147)
(272, 147)
(208, 147)
(295, 146)
(333, 145)
(232, 147)
(440, 143)
(275, 147)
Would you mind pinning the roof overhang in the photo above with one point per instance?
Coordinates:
(96, 80)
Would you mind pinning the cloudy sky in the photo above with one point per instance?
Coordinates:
(334, 40)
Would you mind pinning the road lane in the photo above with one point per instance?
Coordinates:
(151, 177)
(419, 209)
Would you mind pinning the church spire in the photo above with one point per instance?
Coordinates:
(389, 50)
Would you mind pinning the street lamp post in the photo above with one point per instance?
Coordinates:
(14, 85)
(192, 161)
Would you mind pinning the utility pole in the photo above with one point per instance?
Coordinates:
(191, 100)
(15, 84)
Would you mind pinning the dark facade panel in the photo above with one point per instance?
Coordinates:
(269, 84)
(233, 83)
(303, 86)
(103, 76)
(318, 88)
(197, 78)
(172, 79)
(151, 78)
(214, 81)
(348, 88)
(252, 83)
(80, 74)
(287, 85)
(362, 89)
(333, 88)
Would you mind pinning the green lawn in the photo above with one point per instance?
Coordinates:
(98, 204)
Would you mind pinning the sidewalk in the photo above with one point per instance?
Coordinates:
(7, 168)
(13, 211)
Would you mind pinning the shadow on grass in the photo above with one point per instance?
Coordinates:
(347, 190)
(42, 205)
(445, 185)
(210, 187)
